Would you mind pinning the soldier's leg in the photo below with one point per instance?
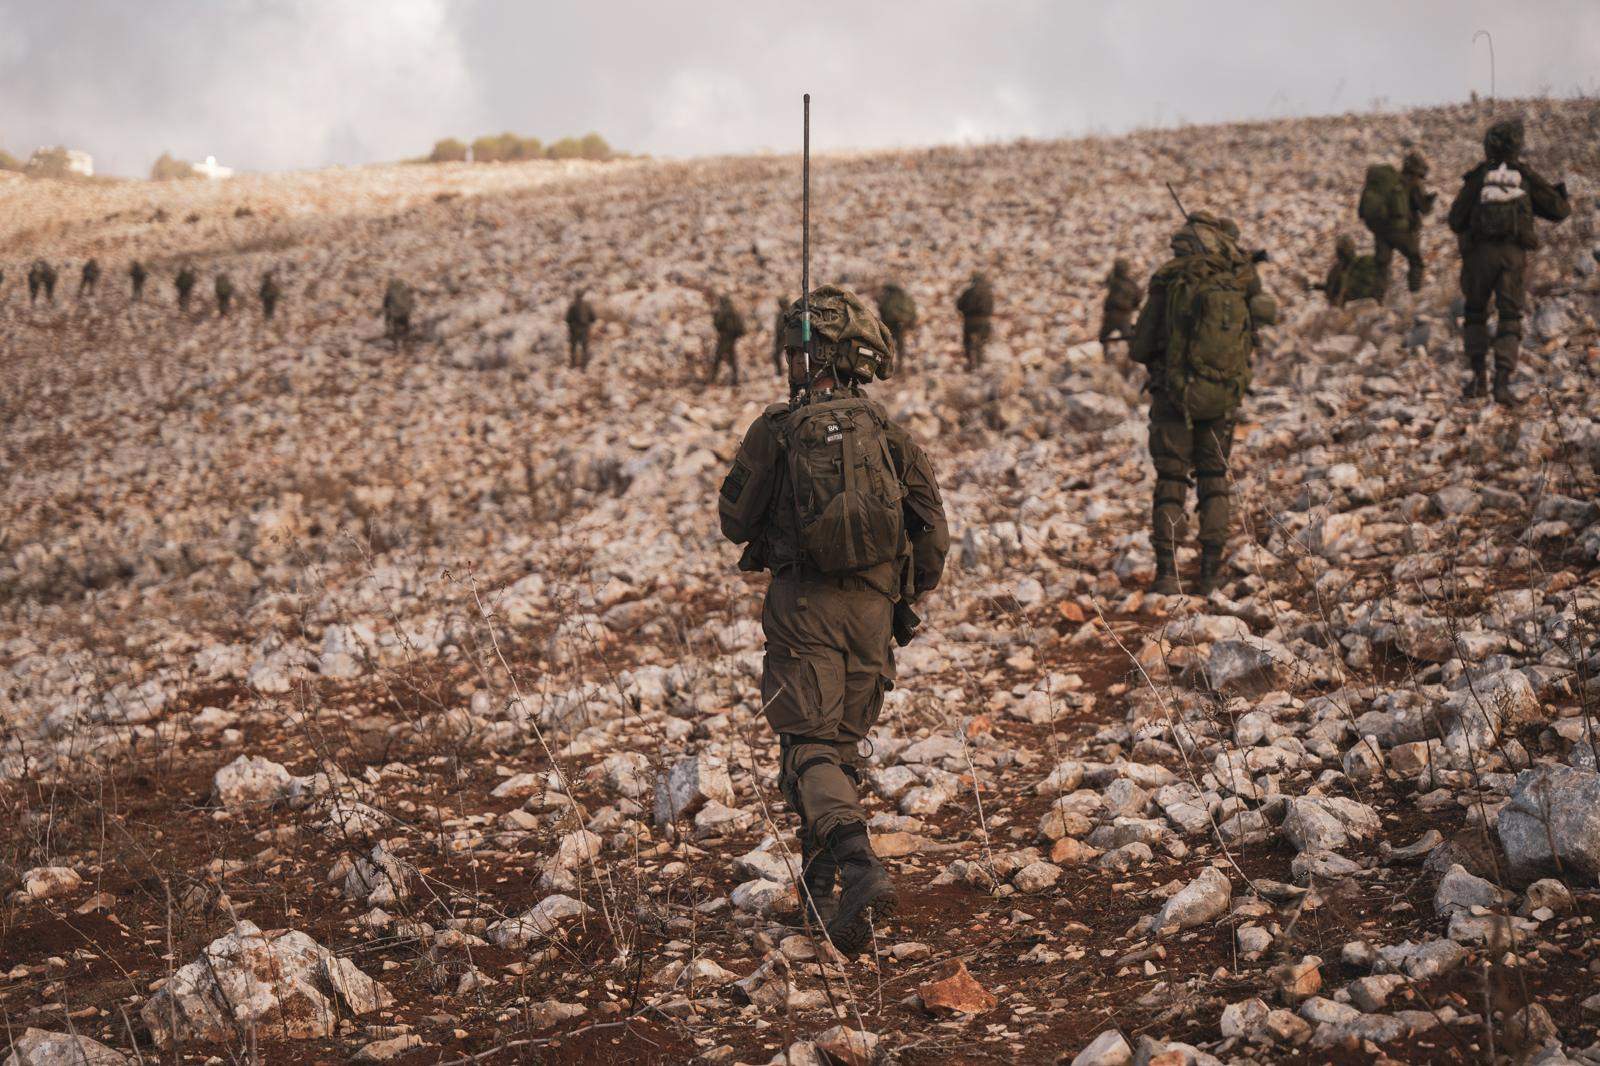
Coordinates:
(1510, 298)
(733, 363)
(1171, 450)
(1383, 256)
(967, 336)
(1213, 445)
(1477, 282)
(1411, 248)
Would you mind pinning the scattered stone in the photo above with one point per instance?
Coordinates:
(952, 990)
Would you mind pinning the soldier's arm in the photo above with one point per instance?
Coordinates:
(925, 520)
(1549, 201)
(747, 490)
(1149, 344)
(1461, 206)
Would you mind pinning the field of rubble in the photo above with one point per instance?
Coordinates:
(372, 704)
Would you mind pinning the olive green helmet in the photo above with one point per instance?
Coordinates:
(848, 338)
(1503, 142)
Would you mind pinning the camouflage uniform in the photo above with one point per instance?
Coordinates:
(1336, 285)
(829, 658)
(223, 287)
(1413, 172)
(90, 278)
(899, 312)
(396, 311)
(136, 274)
(1183, 450)
(580, 320)
(1497, 267)
(976, 304)
(729, 324)
(1123, 296)
(185, 282)
(269, 293)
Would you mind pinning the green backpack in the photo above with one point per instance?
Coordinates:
(1363, 280)
(1385, 206)
(847, 493)
(1209, 339)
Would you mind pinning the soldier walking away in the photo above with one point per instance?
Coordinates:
(136, 274)
(899, 312)
(269, 293)
(89, 278)
(1391, 207)
(185, 282)
(396, 312)
(729, 324)
(1123, 296)
(1336, 285)
(1493, 216)
(1196, 335)
(580, 321)
(780, 365)
(976, 304)
(223, 287)
(41, 277)
(842, 506)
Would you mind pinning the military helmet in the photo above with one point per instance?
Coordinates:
(1503, 142)
(1414, 163)
(848, 337)
(1345, 246)
(1121, 268)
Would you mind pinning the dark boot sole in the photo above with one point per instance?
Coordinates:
(850, 929)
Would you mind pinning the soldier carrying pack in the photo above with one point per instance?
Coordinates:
(1385, 205)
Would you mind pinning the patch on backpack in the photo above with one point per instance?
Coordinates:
(733, 485)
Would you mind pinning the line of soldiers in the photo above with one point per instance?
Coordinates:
(42, 278)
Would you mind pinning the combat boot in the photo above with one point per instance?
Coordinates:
(1166, 582)
(1477, 386)
(1210, 569)
(868, 893)
(1502, 391)
(819, 871)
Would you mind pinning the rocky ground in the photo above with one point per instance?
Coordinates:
(402, 705)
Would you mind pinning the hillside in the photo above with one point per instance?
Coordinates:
(391, 648)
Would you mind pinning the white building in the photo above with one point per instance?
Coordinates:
(212, 169)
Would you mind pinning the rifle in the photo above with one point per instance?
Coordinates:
(807, 344)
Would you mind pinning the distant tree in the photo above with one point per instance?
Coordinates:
(9, 161)
(505, 148)
(168, 167)
(593, 146)
(50, 163)
(448, 150)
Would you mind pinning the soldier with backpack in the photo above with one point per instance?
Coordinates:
(1195, 336)
(580, 321)
(222, 286)
(136, 275)
(269, 294)
(899, 312)
(41, 278)
(89, 278)
(729, 324)
(976, 304)
(1123, 296)
(1493, 216)
(780, 365)
(1391, 207)
(396, 312)
(185, 283)
(842, 506)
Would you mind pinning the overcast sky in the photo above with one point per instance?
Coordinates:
(278, 84)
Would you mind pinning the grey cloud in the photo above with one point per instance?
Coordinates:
(288, 83)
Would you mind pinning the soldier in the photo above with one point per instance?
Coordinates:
(137, 273)
(185, 282)
(899, 312)
(1123, 296)
(580, 320)
(844, 579)
(1407, 238)
(1192, 410)
(269, 294)
(396, 312)
(1336, 286)
(223, 287)
(780, 365)
(729, 324)
(976, 304)
(41, 276)
(90, 277)
(1493, 215)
